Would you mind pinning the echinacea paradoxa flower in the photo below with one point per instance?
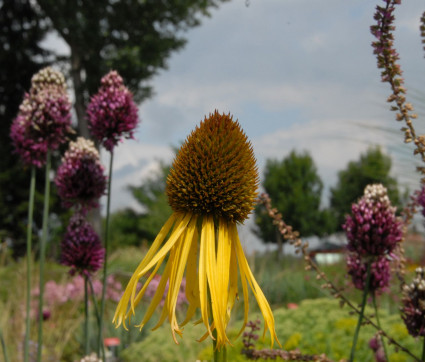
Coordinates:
(81, 247)
(44, 118)
(413, 310)
(112, 113)
(80, 178)
(373, 228)
(211, 188)
(380, 272)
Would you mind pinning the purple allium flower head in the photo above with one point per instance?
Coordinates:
(44, 118)
(379, 272)
(421, 199)
(372, 228)
(112, 113)
(80, 178)
(413, 310)
(81, 247)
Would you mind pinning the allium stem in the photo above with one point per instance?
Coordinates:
(359, 322)
(29, 256)
(101, 347)
(96, 310)
(86, 317)
(3, 344)
(43, 255)
(375, 306)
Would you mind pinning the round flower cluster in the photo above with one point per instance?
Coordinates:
(112, 113)
(373, 231)
(379, 272)
(81, 247)
(80, 178)
(44, 118)
(373, 228)
(413, 310)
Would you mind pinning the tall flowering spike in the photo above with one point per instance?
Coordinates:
(80, 178)
(81, 247)
(373, 228)
(413, 310)
(211, 187)
(44, 118)
(112, 113)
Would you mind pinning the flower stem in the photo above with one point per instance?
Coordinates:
(96, 310)
(43, 255)
(101, 347)
(3, 344)
(29, 256)
(359, 322)
(379, 325)
(86, 317)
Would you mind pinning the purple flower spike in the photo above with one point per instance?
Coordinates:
(379, 272)
(44, 118)
(372, 228)
(413, 311)
(81, 247)
(80, 178)
(112, 113)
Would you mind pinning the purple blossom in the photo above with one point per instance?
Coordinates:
(44, 118)
(81, 247)
(112, 113)
(379, 272)
(413, 310)
(80, 178)
(373, 228)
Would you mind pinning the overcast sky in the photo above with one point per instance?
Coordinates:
(297, 74)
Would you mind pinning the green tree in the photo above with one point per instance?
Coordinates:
(131, 36)
(295, 189)
(372, 167)
(132, 228)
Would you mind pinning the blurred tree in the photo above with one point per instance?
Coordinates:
(295, 189)
(372, 167)
(21, 31)
(131, 36)
(129, 227)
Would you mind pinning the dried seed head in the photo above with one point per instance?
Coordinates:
(214, 171)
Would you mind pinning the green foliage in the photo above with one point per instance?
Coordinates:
(133, 37)
(372, 167)
(295, 189)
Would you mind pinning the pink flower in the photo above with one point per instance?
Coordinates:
(44, 118)
(112, 113)
(373, 228)
(80, 178)
(81, 247)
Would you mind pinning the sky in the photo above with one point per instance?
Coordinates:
(296, 74)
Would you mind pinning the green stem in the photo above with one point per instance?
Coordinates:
(43, 255)
(359, 322)
(384, 345)
(86, 317)
(29, 256)
(101, 346)
(96, 310)
(3, 344)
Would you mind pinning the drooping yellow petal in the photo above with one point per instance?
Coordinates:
(214, 276)
(121, 310)
(203, 286)
(258, 293)
(192, 280)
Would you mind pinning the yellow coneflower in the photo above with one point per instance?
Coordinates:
(211, 187)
